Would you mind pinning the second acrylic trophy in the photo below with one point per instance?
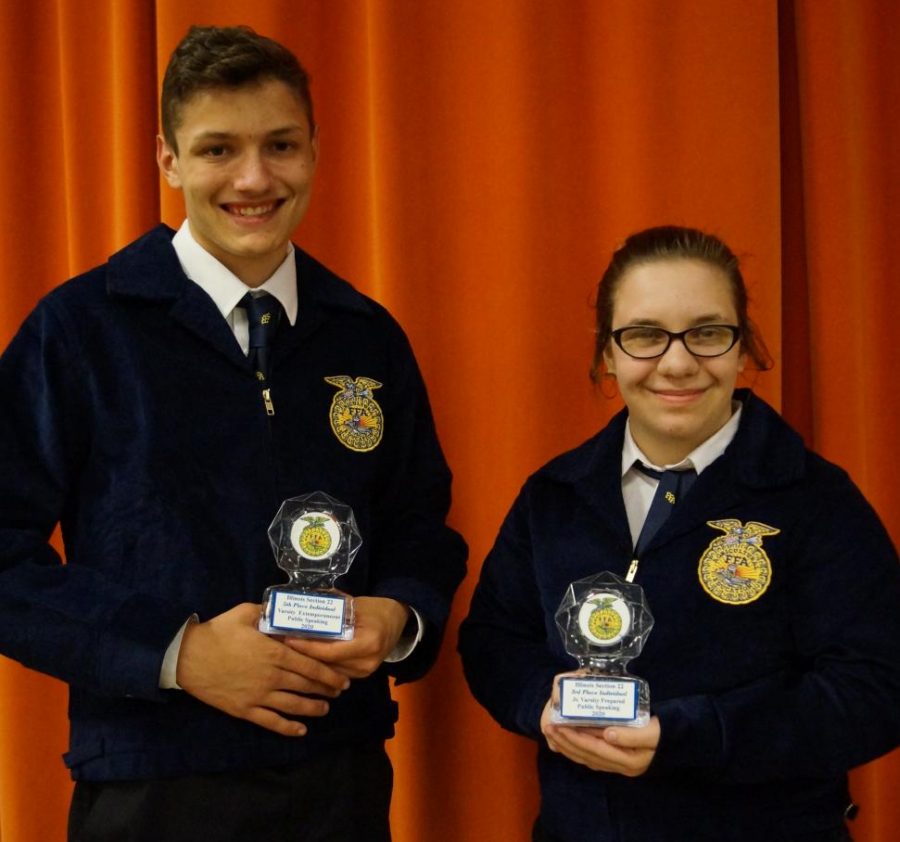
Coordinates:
(604, 621)
(314, 538)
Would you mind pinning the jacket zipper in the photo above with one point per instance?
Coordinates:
(632, 570)
(267, 401)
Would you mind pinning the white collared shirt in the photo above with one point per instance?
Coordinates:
(638, 488)
(226, 289)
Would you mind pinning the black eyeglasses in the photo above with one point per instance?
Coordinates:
(644, 342)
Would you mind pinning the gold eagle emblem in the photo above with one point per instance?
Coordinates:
(735, 569)
(356, 418)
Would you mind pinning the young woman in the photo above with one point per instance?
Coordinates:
(774, 661)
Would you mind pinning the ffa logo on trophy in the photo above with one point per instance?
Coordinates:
(318, 532)
(355, 416)
(604, 619)
(735, 569)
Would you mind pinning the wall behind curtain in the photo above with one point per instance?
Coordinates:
(479, 161)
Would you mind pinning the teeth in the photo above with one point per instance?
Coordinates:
(257, 211)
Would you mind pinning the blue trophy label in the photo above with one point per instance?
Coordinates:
(309, 612)
(598, 698)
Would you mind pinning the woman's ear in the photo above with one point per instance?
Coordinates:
(609, 360)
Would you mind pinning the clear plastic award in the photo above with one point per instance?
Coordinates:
(315, 539)
(604, 622)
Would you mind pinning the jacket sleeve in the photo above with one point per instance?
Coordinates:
(504, 640)
(68, 620)
(418, 559)
(838, 704)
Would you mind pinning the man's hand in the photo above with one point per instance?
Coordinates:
(229, 664)
(379, 622)
(622, 750)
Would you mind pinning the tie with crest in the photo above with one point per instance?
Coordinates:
(673, 485)
(263, 315)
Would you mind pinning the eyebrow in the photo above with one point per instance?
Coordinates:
(219, 135)
(705, 319)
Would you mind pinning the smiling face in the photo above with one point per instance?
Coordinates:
(676, 401)
(245, 163)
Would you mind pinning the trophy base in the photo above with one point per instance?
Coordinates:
(293, 612)
(601, 700)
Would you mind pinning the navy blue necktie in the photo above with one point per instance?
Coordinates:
(673, 485)
(263, 315)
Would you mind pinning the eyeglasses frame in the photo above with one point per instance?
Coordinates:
(679, 335)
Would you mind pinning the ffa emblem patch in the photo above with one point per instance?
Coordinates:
(355, 416)
(735, 568)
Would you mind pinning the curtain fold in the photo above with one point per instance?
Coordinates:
(840, 223)
(479, 162)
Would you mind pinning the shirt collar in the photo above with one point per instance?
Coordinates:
(699, 459)
(223, 286)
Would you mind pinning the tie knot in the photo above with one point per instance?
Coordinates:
(263, 314)
(673, 473)
(648, 471)
(673, 484)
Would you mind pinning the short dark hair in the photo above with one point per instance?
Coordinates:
(673, 242)
(226, 57)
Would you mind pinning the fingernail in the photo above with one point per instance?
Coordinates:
(611, 735)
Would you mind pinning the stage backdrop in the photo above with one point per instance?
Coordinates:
(479, 161)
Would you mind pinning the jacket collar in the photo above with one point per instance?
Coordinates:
(764, 454)
(772, 454)
(148, 270)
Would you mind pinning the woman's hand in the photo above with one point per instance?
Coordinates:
(618, 749)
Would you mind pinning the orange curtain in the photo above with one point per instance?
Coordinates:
(479, 161)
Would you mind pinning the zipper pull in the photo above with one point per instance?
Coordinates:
(267, 400)
(632, 570)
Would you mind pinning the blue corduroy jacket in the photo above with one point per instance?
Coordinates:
(763, 705)
(129, 415)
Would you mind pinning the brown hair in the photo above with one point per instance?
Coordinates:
(672, 242)
(226, 57)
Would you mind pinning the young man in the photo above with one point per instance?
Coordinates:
(138, 410)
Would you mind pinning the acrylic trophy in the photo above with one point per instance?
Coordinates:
(604, 621)
(314, 538)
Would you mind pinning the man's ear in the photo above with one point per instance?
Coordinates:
(168, 162)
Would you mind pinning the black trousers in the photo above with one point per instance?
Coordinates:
(342, 796)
